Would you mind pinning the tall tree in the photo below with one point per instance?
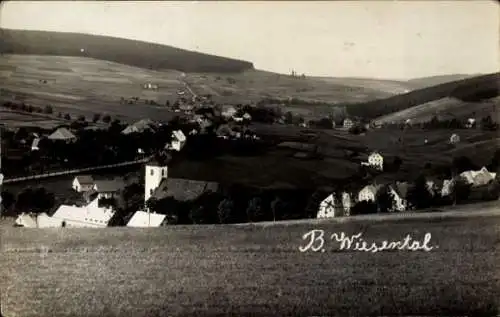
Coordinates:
(384, 200)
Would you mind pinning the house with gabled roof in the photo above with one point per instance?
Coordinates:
(90, 216)
(369, 193)
(478, 178)
(108, 188)
(83, 183)
(141, 126)
(178, 141)
(62, 134)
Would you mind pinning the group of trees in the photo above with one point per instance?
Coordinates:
(29, 200)
(486, 123)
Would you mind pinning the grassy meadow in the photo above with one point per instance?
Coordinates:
(253, 270)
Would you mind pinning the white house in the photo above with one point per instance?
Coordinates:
(369, 193)
(143, 219)
(178, 141)
(347, 123)
(346, 203)
(90, 216)
(375, 160)
(83, 183)
(447, 187)
(454, 139)
(228, 111)
(327, 207)
(26, 220)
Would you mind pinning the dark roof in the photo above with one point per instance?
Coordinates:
(183, 189)
(85, 179)
(109, 186)
(298, 146)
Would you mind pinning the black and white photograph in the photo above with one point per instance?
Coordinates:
(250, 158)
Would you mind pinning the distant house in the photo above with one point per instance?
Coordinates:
(347, 123)
(178, 141)
(247, 116)
(399, 192)
(454, 139)
(471, 122)
(143, 219)
(375, 160)
(328, 207)
(140, 126)
(83, 183)
(369, 193)
(478, 178)
(90, 216)
(108, 188)
(150, 86)
(62, 134)
(228, 111)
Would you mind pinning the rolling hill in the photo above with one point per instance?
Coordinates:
(124, 51)
(437, 80)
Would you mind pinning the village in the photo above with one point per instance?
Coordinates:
(160, 199)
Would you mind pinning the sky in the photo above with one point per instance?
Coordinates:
(378, 39)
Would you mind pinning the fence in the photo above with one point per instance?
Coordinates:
(73, 171)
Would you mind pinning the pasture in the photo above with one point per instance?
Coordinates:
(254, 270)
(18, 119)
(84, 86)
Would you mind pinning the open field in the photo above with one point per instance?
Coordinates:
(278, 167)
(252, 270)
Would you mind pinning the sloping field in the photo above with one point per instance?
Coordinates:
(253, 270)
(446, 109)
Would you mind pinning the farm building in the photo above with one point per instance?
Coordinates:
(90, 216)
(150, 86)
(143, 219)
(35, 144)
(447, 187)
(25, 220)
(140, 126)
(62, 134)
(183, 189)
(108, 188)
(471, 122)
(478, 178)
(454, 138)
(228, 111)
(82, 183)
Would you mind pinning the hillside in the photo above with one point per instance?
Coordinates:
(437, 80)
(445, 109)
(84, 86)
(124, 51)
(473, 89)
(254, 270)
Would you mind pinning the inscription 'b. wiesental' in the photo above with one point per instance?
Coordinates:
(316, 242)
